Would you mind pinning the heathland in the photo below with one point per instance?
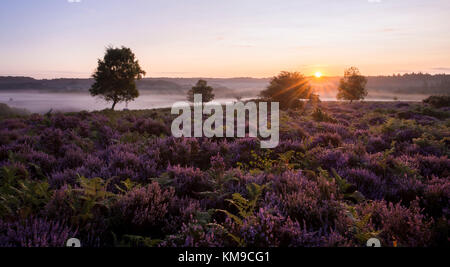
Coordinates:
(343, 173)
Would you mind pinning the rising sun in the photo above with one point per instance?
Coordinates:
(318, 74)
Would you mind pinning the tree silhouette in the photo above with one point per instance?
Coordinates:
(288, 88)
(116, 75)
(201, 88)
(353, 86)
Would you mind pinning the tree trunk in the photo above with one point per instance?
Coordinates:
(114, 105)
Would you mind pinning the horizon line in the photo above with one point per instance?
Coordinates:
(224, 78)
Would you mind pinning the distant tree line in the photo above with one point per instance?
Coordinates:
(414, 83)
(400, 84)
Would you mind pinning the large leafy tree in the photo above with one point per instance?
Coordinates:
(288, 88)
(353, 86)
(201, 88)
(116, 75)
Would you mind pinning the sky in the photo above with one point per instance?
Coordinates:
(225, 38)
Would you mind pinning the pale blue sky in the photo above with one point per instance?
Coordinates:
(226, 38)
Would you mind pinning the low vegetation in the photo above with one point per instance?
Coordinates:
(438, 101)
(7, 111)
(342, 173)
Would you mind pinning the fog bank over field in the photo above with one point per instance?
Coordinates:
(71, 102)
(223, 88)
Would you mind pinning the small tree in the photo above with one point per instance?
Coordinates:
(288, 88)
(201, 88)
(353, 86)
(116, 75)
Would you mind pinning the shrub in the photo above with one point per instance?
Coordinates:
(43, 163)
(330, 159)
(180, 212)
(366, 182)
(52, 140)
(189, 181)
(438, 101)
(6, 111)
(320, 116)
(73, 157)
(311, 201)
(64, 122)
(436, 197)
(326, 139)
(145, 208)
(66, 177)
(35, 232)
(151, 127)
(271, 229)
(407, 226)
(195, 235)
(437, 166)
(377, 144)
